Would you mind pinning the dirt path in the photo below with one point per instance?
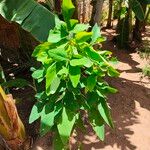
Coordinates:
(130, 109)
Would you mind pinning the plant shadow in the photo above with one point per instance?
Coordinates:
(131, 91)
(124, 113)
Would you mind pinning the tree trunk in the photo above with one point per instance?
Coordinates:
(110, 14)
(57, 4)
(96, 12)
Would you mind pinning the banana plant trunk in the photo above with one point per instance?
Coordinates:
(110, 14)
(96, 12)
(11, 127)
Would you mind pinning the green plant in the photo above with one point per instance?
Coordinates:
(124, 27)
(71, 79)
(146, 70)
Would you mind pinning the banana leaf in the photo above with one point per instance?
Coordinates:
(32, 16)
(137, 9)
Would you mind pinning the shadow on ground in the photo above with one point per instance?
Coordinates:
(123, 105)
(124, 115)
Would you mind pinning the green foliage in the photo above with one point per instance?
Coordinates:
(72, 73)
(146, 70)
(137, 9)
(32, 16)
(124, 25)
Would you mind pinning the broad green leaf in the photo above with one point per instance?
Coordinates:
(73, 22)
(35, 112)
(74, 75)
(137, 9)
(57, 22)
(67, 10)
(54, 85)
(105, 112)
(58, 111)
(41, 51)
(42, 48)
(112, 72)
(75, 91)
(37, 74)
(105, 52)
(80, 27)
(43, 57)
(81, 62)
(47, 121)
(113, 61)
(63, 71)
(82, 101)
(30, 15)
(83, 36)
(95, 33)
(92, 54)
(66, 125)
(101, 39)
(91, 82)
(50, 75)
(58, 54)
(122, 12)
(109, 89)
(54, 37)
(64, 31)
(100, 131)
(92, 99)
(97, 123)
(100, 94)
(41, 95)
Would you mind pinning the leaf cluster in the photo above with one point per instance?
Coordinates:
(72, 73)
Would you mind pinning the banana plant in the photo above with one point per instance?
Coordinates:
(12, 129)
(32, 16)
(11, 126)
(124, 28)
